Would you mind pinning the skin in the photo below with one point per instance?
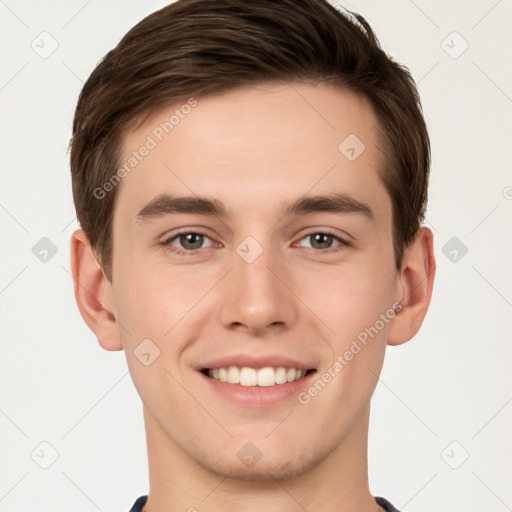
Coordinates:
(255, 149)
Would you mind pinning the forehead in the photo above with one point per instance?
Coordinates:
(255, 147)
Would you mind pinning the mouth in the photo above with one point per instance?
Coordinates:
(247, 376)
(256, 380)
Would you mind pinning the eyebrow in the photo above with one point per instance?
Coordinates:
(166, 204)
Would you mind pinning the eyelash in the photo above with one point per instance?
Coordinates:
(167, 243)
(180, 252)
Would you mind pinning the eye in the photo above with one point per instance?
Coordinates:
(189, 241)
(323, 241)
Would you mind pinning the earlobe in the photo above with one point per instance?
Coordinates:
(416, 280)
(93, 293)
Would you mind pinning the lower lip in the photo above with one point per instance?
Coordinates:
(258, 396)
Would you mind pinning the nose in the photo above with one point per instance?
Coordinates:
(257, 296)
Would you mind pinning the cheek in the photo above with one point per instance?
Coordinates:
(361, 311)
(153, 308)
(357, 308)
(152, 301)
(351, 299)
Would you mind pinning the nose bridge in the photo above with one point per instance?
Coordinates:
(256, 297)
(255, 275)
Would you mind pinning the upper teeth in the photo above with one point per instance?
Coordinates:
(246, 376)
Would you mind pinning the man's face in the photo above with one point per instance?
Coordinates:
(255, 285)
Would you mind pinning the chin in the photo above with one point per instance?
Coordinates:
(275, 467)
(262, 473)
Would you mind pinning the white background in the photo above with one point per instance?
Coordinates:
(451, 383)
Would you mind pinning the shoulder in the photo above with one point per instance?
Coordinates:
(139, 503)
(384, 503)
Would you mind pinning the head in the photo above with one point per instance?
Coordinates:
(272, 121)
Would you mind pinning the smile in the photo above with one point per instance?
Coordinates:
(263, 377)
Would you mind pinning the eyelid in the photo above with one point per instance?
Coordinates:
(169, 238)
(185, 230)
(166, 242)
(342, 241)
(337, 233)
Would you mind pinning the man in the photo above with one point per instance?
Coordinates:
(250, 178)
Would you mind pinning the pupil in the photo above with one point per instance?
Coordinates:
(191, 240)
(321, 240)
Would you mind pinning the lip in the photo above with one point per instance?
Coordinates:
(257, 396)
(256, 362)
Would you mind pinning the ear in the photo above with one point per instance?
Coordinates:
(93, 293)
(416, 281)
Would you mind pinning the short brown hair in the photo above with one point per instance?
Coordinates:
(200, 47)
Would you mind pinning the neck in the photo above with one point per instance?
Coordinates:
(339, 483)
